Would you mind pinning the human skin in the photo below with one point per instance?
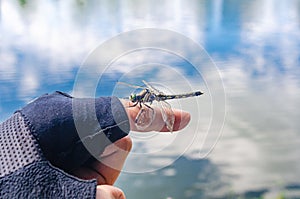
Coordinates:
(109, 166)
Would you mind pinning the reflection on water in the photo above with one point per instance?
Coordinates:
(187, 178)
(255, 44)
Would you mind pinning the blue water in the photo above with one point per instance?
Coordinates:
(46, 45)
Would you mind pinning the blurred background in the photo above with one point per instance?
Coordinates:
(255, 45)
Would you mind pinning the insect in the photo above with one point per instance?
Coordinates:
(146, 97)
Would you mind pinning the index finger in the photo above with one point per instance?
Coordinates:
(182, 119)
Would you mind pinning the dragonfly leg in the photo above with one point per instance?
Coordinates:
(133, 105)
(138, 116)
(148, 106)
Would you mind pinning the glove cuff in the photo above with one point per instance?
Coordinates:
(42, 180)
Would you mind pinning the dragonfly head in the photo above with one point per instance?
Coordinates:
(133, 97)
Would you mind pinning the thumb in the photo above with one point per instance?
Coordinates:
(109, 192)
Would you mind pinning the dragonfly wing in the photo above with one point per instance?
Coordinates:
(131, 85)
(167, 114)
(148, 85)
(144, 118)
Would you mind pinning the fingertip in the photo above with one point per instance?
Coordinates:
(182, 119)
(186, 119)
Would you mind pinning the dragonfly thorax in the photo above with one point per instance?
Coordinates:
(144, 96)
(138, 97)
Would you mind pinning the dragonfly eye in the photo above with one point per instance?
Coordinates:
(132, 97)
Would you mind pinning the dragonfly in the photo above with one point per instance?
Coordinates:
(146, 97)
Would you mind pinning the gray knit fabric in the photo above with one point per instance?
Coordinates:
(25, 173)
(17, 146)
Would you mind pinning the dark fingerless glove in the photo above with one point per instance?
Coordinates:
(56, 130)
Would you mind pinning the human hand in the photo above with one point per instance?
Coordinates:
(57, 134)
(107, 170)
(63, 132)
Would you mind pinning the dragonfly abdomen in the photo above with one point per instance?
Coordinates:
(186, 95)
